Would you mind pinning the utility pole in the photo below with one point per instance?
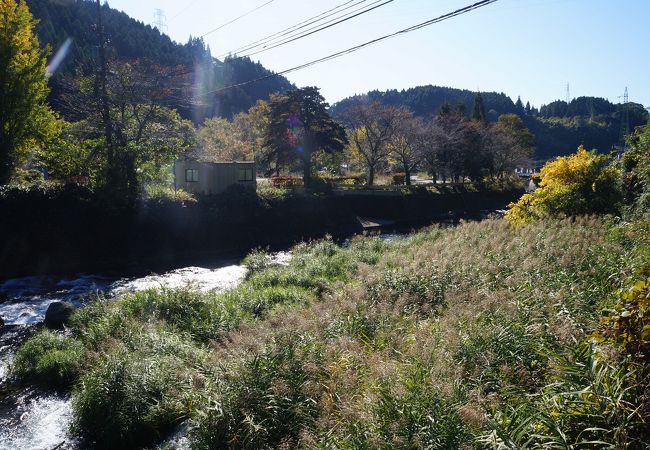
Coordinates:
(160, 20)
(106, 117)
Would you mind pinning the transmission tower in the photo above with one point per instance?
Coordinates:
(160, 20)
(625, 120)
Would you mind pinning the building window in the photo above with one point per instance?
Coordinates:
(246, 174)
(191, 175)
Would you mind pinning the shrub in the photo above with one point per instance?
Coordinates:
(268, 400)
(50, 358)
(162, 193)
(286, 181)
(271, 193)
(398, 178)
(138, 392)
(588, 404)
(203, 316)
(257, 261)
(627, 322)
(636, 170)
(583, 183)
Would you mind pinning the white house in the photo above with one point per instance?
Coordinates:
(209, 178)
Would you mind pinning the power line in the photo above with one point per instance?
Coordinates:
(298, 26)
(237, 18)
(188, 6)
(320, 28)
(347, 51)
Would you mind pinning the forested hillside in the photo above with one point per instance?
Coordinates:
(130, 39)
(558, 128)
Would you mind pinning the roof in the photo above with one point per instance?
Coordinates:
(216, 162)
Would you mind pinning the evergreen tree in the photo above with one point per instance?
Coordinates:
(300, 125)
(519, 106)
(528, 110)
(445, 109)
(478, 111)
(25, 118)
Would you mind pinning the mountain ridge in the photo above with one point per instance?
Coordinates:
(559, 128)
(71, 23)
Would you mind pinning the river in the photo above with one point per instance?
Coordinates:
(32, 419)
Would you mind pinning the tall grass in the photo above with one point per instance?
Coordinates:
(471, 336)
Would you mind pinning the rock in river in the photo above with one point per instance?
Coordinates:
(57, 313)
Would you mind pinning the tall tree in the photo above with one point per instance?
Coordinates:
(519, 106)
(478, 111)
(409, 144)
(444, 155)
(224, 140)
(300, 125)
(371, 129)
(132, 119)
(25, 118)
(514, 126)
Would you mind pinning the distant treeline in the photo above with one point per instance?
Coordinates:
(558, 128)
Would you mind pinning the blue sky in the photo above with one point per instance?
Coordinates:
(531, 48)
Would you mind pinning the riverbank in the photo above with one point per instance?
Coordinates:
(480, 334)
(69, 232)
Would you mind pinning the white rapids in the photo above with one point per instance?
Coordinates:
(43, 422)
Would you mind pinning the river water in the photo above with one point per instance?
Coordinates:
(30, 419)
(34, 420)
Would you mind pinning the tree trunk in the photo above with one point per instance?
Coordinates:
(306, 167)
(371, 175)
(5, 162)
(407, 176)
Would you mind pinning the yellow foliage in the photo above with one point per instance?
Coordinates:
(628, 321)
(582, 183)
(25, 119)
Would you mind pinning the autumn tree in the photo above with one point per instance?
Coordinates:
(513, 125)
(372, 127)
(507, 144)
(582, 183)
(409, 144)
(224, 140)
(300, 126)
(447, 135)
(253, 124)
(137, 135)
(26, 120)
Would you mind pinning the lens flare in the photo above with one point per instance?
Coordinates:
(59, 57)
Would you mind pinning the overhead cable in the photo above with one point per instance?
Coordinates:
(427, 23)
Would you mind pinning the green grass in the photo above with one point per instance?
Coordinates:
(475, 336)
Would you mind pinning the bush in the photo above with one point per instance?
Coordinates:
(268, 400)
(137, 393)
(583, 183)
(287, 181)
(203, 316)
(157, 192)
(636, 170)
(50, 358)
(627, 322)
